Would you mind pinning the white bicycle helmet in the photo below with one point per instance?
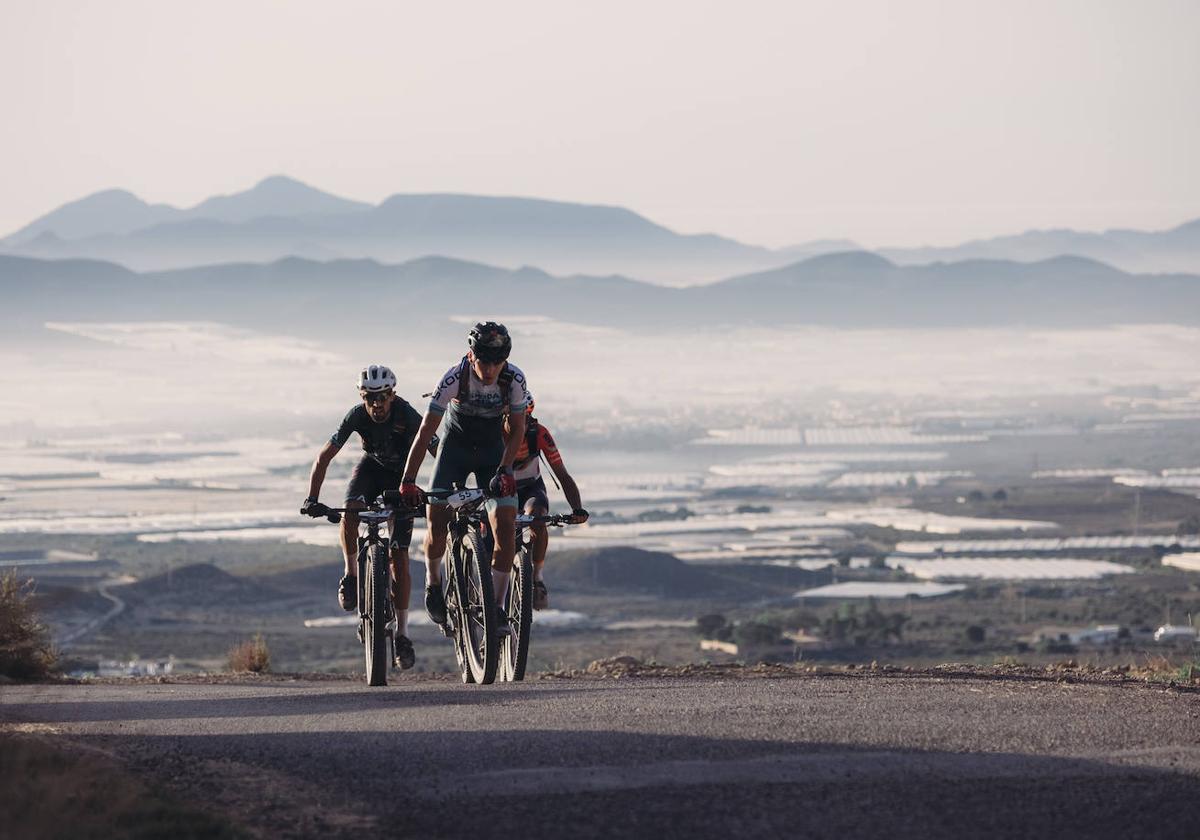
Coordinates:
(376, 378)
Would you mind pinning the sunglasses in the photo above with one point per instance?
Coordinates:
(377, 396)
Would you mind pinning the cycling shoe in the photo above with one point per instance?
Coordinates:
(405, 657)
(435, 603)
(348, 593)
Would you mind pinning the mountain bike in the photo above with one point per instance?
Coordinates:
(514, 648)
(467, 586)
(376, 617)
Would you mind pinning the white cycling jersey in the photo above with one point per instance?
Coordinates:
(483, 402)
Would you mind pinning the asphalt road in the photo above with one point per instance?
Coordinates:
(808, 756)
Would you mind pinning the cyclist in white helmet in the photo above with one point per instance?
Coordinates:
(387, 424)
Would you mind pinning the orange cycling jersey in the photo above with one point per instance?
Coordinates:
(527, 467)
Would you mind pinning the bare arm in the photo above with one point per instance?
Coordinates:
(570, 490)
(416, 453)
(317, 477)
(514, 438)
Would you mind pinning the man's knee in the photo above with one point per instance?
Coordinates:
(504, 524)
(438, 519)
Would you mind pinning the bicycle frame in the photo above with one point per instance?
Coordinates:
(376, 613)
(484, 654)
(466, 507)
(467, 584)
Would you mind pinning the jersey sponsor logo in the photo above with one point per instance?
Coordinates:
(451, 378)
(481, 403)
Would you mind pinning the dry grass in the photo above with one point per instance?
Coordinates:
(26, 652)
(253, 656)
(1160, 668)
(51, 791)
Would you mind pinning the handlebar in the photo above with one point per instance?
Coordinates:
(392, 505)
(556, 520)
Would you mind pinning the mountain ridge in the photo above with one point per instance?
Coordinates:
(852, 290)
(281, 216)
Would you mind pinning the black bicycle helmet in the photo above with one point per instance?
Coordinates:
(489, 341)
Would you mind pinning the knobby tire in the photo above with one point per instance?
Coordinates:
(375, 629)
(451, 587)
(514, 651)
(477, 608)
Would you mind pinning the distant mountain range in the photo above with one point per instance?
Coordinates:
(118, 212)
(1177, 249)
(854, 289)
(281, 217)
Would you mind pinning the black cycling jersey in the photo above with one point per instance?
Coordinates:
(387, 442)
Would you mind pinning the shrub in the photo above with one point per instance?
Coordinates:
(712, 626)
(756, 634)
(252, 656)
(975, 634)
(752, 509)
(25, 648)
(664, 515)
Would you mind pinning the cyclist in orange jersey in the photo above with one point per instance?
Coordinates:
(531, 493)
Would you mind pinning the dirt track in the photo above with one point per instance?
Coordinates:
(726, 754)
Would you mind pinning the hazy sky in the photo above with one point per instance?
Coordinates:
(891, 123)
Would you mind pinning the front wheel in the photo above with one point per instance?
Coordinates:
(514, 651)
(477, 610)
(376, 619)
(451, 586)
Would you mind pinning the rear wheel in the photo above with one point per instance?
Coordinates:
(477, 610)
(514, 651)
(375, 622)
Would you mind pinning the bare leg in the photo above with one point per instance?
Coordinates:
(438, 518)
(401, 579)
(401, 587)
(540, 538)
(349, 536)
(504, 525)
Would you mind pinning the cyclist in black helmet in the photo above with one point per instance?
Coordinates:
(473, 399)
(387, 425)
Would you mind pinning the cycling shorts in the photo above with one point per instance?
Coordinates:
(533, 492)
(456, 459)
(368, 480)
